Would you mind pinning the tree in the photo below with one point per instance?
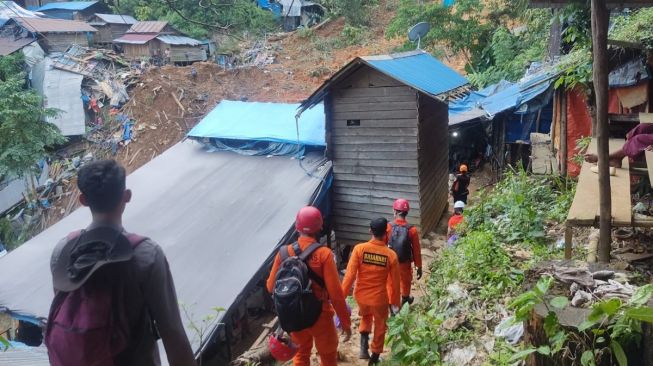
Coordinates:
(24, 135)
(200, 18)
(484, 33)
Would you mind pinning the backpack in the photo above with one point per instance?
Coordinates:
(297, 306)
(89, 326)
(399, 241)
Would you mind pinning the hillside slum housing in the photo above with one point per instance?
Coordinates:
(54, 35)
(387, 137)
(296, 13)
(110, 27)
(498, 123)
(9, 9)
(73, 10)
(209, 268)
(152, 38)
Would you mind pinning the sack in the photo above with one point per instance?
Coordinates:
(399, 241)
(294, 301)
(88, 326)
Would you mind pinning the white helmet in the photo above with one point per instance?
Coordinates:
(459, 204)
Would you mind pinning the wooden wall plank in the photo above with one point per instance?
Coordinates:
(376, 99)
(374, 132)
(355, 140)
(384, 155)
(373, 92)
(371, 107)
(375, 185)
(348, 169)
(376, 114)
(385, 202)
(391, 195)
(380, 162)
(377, 123)
(376, 178)
(371, 147)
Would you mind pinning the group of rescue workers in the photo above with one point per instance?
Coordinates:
(306, 289)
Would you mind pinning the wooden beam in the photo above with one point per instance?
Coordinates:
(600, 21)
(564, 152)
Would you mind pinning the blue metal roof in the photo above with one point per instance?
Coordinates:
(274, 122)
(67, 5)
(416, 69)
(419, 70)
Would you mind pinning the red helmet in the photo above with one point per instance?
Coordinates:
(281, 348)
(309, 220)
(401, 205)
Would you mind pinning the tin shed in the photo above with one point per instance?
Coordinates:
(386, 133)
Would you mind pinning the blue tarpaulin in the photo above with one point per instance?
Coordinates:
(67, 5)
(251, 123)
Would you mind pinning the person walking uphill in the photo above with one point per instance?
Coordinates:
(404, 240)
(114, 294)
(375, 268)
(307, 313)
(460, 187)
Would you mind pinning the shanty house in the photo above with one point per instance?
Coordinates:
(73, 10)
(386, 133)
(152, 38)
(111, 26)
(54, 35)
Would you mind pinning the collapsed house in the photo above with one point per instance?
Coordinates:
(73, 10)
(387, 137)
(215, 260)
(296, 13)
(110, 27)
(54, 35)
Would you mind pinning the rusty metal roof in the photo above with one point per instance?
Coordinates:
(135, 38)
(9, 45)
(45, 25)
(148, 27)
(117, 18)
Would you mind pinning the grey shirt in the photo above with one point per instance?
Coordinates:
(154, 300)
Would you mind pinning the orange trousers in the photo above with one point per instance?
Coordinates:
(405, 277)
(376, 315)
(325, 336)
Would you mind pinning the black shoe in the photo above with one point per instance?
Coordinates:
(374, 359)
(407, 299)
(364, 351)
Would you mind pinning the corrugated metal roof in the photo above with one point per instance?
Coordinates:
(9, 9)
(24, 356)
(9, 45)
(417, 69)
(135, 38)
(179, 40)
(67, 5)
(148, 27)
(43, 25)
(117, 18)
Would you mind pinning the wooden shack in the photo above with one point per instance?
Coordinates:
(110, 27)
(54, 35)
(387, 135)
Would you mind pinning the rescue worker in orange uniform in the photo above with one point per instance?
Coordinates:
(403, 238)
(375, 268)
(323, 333)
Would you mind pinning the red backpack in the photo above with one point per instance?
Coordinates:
(89, 326)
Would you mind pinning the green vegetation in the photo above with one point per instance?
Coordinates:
(611, 327)
(199, 19)
(478, 276)
(635, 27)
(482, 32)
(24, 136)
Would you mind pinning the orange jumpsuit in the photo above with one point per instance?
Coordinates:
(323, 332)
(375, 268)
(405, 269)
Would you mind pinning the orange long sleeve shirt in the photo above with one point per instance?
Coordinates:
(324, 265)
(375, 268)
(413, 234)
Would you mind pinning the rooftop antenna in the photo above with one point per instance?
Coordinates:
(418, 31)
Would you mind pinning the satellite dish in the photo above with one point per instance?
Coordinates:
(418, 31)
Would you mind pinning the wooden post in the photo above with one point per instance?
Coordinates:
(569, 237)
(563, 134)
(600, 19)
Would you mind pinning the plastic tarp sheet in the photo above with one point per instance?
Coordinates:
(272, 122)
(61, 90)
(219, 218)
(469, 108)
(517, 94)
(629, 74)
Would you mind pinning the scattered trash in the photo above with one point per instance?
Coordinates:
(461, 356)
(508, 329)
(580, 298)
(456, 292)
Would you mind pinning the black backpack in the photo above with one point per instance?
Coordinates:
(399, 241)
(297, 306)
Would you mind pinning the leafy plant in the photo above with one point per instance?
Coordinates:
(581, 147)
(24, 135)
(611, 326)
(636, 26)
(201, 327)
